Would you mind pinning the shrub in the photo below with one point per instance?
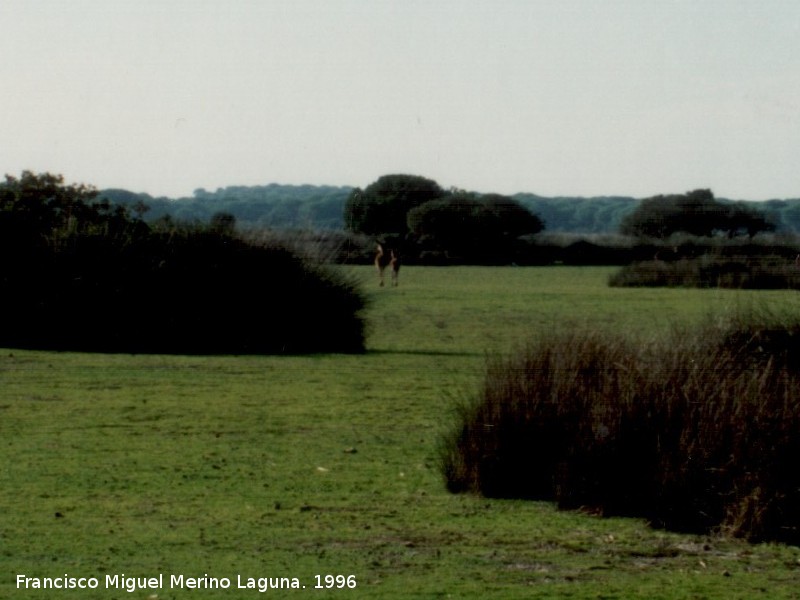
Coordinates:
(712, 270)
(76, 274)
(189, 292)
(698, 433)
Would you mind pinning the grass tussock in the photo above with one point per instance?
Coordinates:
(698, 433)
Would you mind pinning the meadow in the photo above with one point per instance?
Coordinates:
(239, 467)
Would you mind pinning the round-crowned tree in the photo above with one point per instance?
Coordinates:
(382, 207)
(473, 227)
(695, 213)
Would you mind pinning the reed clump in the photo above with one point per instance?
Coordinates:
(699, 432)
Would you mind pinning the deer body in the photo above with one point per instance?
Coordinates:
(383, 260)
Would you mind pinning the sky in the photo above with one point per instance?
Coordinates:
(552, 97)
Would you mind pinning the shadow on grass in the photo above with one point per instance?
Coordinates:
(427, 352)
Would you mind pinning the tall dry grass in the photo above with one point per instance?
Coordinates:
(699, 432)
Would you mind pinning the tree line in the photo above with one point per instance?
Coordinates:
(309, 207)
(451, 226)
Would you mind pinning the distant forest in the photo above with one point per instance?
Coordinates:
(310, 207)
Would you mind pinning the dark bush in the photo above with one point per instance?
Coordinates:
(712, 270)
(699, 433)
(198, 292)
(77, 274)
(587, 253)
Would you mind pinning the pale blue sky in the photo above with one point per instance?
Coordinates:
(555, 97)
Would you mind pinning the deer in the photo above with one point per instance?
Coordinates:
(382, 260)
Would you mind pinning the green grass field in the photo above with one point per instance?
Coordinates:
(294, 466)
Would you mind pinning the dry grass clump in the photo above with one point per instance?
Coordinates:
(700, 432)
